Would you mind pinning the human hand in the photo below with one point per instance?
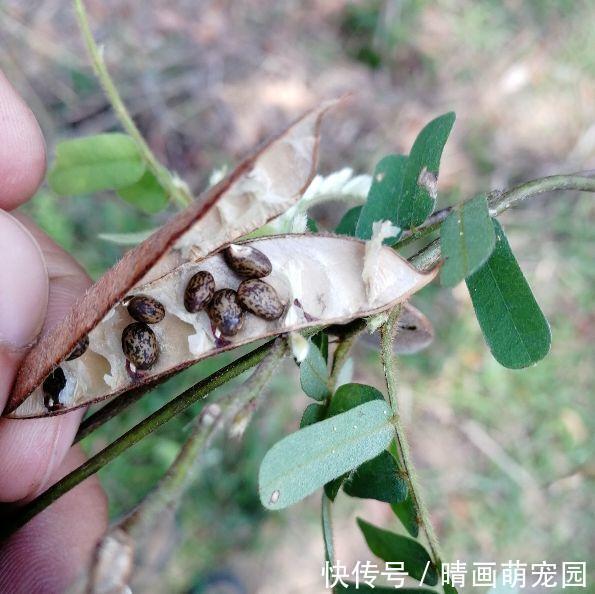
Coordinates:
(39, 282)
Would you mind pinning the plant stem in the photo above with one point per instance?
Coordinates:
(144, 428)
(387, 335)
(501, 200)
(175, 188)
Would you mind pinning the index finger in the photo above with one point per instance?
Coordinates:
(22, 150)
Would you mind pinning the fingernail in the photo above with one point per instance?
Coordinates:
(23, 284)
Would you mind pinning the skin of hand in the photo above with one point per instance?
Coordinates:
(39, 283)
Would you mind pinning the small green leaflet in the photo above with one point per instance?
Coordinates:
(512, 323)
(379, 479)
(383, 197)
(93, 163)
(467, 240)
(420, 178)
(307, 459)
(312, 414)
(448, 589)
(349, 396)
(314, 374)
(395, 547)
(405, 511)
(362, 588)
(348, 223)
(146, 194)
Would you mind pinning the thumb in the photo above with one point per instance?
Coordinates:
(23, 296)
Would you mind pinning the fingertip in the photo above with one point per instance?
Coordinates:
(32, 450)
(22, 150)
(48, 553)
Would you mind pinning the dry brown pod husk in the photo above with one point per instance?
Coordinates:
(320, 279)
(261, 187)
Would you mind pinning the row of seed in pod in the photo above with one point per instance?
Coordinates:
(225, 307)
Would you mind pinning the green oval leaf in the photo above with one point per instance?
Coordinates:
(349, 396)
(395, 547)
(94, 163)
(346, 397)
(405, 511)
(512, 323)
(467, 240)
(379, 478)
(348, 223)
(314, 374)
(383, 197)
(304, 461)
(146, 194)
(420, 178)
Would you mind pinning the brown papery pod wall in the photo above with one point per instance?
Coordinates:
(261, 187)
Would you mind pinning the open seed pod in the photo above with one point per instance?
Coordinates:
(317, 278)
(261, 187)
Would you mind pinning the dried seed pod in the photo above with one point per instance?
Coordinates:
(260, 298)
(54, 383)
(260, 188)
(226, 313)
(145, 309)
(139, 344)
(247, 261)
(79, 349)
(199, 291)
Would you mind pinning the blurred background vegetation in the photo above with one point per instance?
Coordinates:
(505, 457)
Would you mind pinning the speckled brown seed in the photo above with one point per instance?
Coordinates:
(225, 312)
(53, 384)
(139, 344)
(143, 308)
(260, 298)
(79, 349)
(247, 261)
(199, 291)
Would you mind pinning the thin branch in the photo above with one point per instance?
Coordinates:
(175, 188)
(501, 200)
(387, 334)
(130, 438)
